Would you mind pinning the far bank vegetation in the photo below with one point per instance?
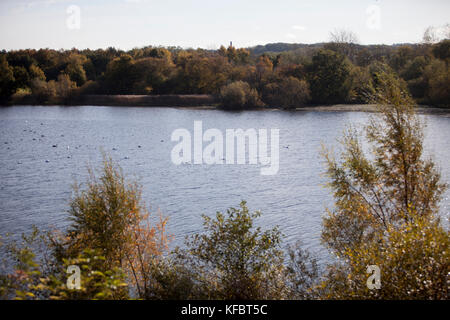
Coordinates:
(276, 75)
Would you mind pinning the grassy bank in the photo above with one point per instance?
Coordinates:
(121, 100)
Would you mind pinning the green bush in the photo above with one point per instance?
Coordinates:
(53, 91)
(329, 77)
(239, 94)
(233, 259)
(289, 93)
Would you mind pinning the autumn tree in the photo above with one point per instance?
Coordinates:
(239, 94)
(413, 260)
(53, 91)
(437, 76)
(36, 73)
(429, 35)
(121, 75)
(7, 85)
(441, 50)
(401, 57)
(240, 55)
(329, 77)
(153, 74)
(288, 93)
(344, 42)
(263, 69)
(42, 90)
(75, 69)
(199, 74)
(34, 278)
(434, 34)
(386, 206)
(21, 77)
(108, 216)
(361, 88)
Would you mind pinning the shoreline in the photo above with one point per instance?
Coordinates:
(196, 102)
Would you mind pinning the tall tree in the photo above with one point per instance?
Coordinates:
(386, 200)
(7, 81)
(344, 42)
(329, 77)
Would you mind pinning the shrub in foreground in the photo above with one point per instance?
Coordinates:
(386, 208)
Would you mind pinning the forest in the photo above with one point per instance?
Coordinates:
(275, 75)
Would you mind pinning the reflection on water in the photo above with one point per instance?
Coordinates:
(43, 150)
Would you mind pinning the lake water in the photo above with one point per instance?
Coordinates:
(36, 177)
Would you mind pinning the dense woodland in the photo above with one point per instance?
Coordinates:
(278, 75)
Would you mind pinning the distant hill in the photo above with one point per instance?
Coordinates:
(283, 47)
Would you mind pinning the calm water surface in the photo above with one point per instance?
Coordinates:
(36, 177)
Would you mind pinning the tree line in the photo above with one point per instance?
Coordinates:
(340, 71)
(385, 213)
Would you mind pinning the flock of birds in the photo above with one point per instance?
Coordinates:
(55, 145)
(76, 147)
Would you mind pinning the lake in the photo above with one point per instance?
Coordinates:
(43, 150)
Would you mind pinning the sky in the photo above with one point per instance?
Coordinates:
(126, 24)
